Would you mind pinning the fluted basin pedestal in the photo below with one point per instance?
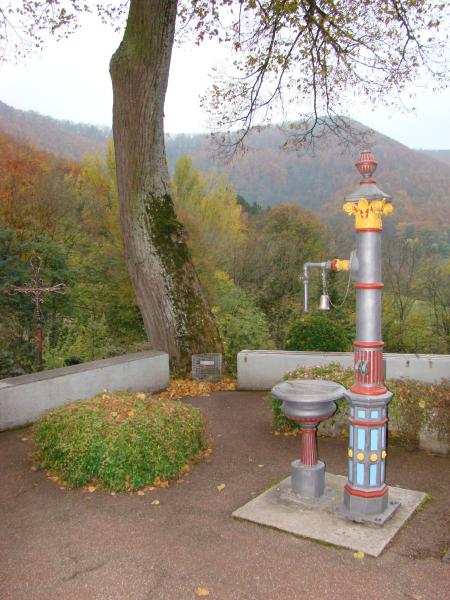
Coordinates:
(308, 402)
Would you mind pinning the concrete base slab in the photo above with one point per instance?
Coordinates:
(274, 509)
(322, 501)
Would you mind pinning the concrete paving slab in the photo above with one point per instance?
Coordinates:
(274, 509)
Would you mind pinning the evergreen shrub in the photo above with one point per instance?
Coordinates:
(120, 442)
(318, 333)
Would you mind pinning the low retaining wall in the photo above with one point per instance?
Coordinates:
(262, 369)
(23, 399)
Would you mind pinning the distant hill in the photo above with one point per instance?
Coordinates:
(419, 183)
(64, 138)
(443, 155)
(418, 180)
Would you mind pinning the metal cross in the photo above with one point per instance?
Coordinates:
(37, 289)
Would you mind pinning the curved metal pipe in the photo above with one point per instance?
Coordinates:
(310, 265)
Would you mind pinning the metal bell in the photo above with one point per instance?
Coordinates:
(324, 303)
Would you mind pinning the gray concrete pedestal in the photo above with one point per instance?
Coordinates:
(308, 480)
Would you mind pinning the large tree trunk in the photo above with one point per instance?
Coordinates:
(176, 316)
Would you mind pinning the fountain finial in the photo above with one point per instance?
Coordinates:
(366, 165)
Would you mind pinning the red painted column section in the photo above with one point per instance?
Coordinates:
(308, 446)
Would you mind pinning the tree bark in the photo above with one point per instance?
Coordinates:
(175, 313)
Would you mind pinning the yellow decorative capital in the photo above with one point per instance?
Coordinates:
(384, 454)
(350, 453)
(368, 215)
(360, 456)
(374, 457)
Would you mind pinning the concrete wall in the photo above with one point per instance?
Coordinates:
(23, 399)
(262, 369)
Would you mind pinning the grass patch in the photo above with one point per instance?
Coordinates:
(119, 442)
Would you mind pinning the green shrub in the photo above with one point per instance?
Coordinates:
(318, 333)
(120, 441)
(241, 324)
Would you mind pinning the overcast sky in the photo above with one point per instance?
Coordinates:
(70, 80)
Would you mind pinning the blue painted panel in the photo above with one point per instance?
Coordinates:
(373, 475)
(351, 437)
(361, 438)
(350, 471)
(374, 439)
(374, 414)
(360, 474)
(361, 414)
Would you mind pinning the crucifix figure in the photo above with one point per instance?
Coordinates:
(37, 289)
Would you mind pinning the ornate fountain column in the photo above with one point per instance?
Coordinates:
(366, 494)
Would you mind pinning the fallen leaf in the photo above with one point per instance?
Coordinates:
(91, 488)
(24, 439)
(155, 502)
(131, 413)
(202, 592)
(140, 396)
(140, 493)
(276, 433)
(359, 554)
(34, 468)
(221, 487)
(113, 493)
(260, 466)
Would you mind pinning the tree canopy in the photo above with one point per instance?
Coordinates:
(302, 52)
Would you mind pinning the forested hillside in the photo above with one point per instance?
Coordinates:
(248, 257)
(63, 138)
(66, 213)
(443, 155)
(269, 175)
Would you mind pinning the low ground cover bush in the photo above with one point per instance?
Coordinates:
(119, 442)
(414, 404)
